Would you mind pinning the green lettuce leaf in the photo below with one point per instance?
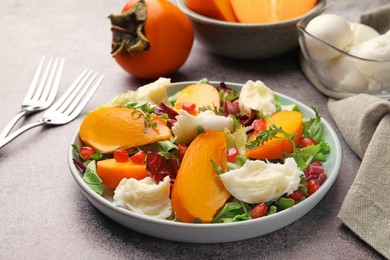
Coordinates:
(92, 179)
(232, 212)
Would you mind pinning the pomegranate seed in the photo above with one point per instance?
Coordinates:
(182, 150)
(232, 154)
(322, 178)
(259, 125)
(306, 141)
(313, 170)
(121, 155)
(260, 210)
(86, 152)
(139, 157)
(312, 186)
(316, 163)
(189, 107)
(297, 196)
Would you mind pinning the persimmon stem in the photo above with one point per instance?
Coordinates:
(128, 30)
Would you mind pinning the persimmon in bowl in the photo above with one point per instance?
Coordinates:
(232, 34)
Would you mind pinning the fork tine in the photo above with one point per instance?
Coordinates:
(38, 91)
(34, 82)
(77, 90)
(57, 80)
(53, 81)
(79, 104)
(69, 91)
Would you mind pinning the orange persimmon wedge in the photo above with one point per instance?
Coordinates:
(110, 128)
(202, 95)
(198, 193)
(287, 9)
(290, 122)
(267, 11)
(112, 172)
(216, 9)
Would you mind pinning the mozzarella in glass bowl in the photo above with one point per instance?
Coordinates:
(344, 54)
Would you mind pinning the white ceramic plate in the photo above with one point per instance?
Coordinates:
(217, 232)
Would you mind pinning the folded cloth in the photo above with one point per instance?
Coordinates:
(364, 121)
(378, 18)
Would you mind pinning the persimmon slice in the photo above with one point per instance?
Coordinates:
(198, 193)
(110, 128)
(290, 122)
(112, 172)
(216, 9)
(200, 94)
(267, 11)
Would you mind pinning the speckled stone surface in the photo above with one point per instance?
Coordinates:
(44, 215)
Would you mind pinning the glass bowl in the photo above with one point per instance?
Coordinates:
(349, 70)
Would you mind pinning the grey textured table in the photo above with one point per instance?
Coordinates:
(43, 212)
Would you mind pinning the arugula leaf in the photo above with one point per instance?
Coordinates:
(272, 210)
(92, 179)
(172, 98)
(266, 135)
(311, 153)
(200, 129)
(98, 155)
(284, 203)
(216, 167)
(313, 128)
(144, 106)
(302, 185)
(232, 212)
(228, 95)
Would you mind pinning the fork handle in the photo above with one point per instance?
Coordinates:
(19, 131)
(12, 123)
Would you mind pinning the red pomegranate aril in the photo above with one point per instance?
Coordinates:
(322, 178)
(259, 125)
(231, 154)
(189, 107)
(259, 210)
(316, 163)
(297, 196)
(182, 150)
(86, 152)
(313, 171)
(312, 186)
(121, 155)
(306, 141)
(139, 157)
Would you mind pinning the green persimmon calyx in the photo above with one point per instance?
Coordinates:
(128, 30)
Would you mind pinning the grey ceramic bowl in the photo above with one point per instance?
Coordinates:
(245, 41)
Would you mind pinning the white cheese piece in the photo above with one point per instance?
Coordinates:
(361, 33)
(144, 197)
(155, 92)
(259, 181)
(332, 29)
(186, 127)
(257, 96)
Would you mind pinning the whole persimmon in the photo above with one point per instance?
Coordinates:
(151, 38)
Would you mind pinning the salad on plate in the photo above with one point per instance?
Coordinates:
(205, 154)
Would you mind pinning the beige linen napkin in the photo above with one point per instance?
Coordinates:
(364, 121)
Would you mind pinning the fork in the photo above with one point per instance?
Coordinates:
(39, 96)
(67, 107)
